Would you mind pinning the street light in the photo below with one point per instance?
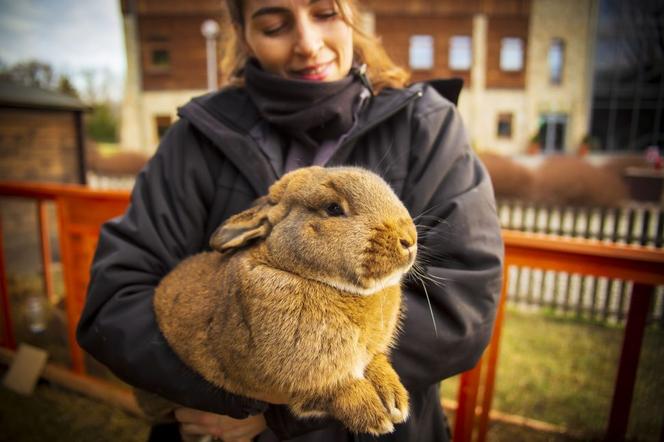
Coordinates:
(210, 30)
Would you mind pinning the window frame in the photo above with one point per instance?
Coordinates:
(504, 47)
(415, 51)
(453, 38)
(556, 77)
(501, 118)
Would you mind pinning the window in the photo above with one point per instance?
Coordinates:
(504, 129)
(163, 122)
(553, 128)
(556, 60)
(511, 54)
(421, 52)
(461, 53)
(160, 58)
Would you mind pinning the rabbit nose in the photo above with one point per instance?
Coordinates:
(406, 243)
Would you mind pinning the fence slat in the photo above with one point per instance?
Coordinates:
(588, 297)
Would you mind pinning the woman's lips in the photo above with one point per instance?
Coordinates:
(317, 72)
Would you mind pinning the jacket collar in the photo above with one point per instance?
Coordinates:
(229, 130)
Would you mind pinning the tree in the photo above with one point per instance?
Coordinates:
(32, 73)
(66, 87)
(101, 124)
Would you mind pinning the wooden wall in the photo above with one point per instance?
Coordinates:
(38, 145)
(448, 7)
(500, 27)
(181, 37)
(395, 32)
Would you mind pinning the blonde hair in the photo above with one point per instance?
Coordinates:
(382, 72)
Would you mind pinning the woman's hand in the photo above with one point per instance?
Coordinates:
(196, 423)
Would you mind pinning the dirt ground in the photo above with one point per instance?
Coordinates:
(54, 414)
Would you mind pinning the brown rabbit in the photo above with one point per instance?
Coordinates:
(304, 299)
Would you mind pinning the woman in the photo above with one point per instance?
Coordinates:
(299, 96)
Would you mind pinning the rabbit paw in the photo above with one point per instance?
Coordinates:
(394, 398)
(361, 409)
(389, 388)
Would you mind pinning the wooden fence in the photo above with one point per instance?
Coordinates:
(81, 212)
(594, 298)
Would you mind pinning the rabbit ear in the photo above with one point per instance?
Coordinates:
(239, 229)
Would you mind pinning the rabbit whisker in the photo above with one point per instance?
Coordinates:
(433, 319)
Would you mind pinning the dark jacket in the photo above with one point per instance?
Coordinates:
(209, 167)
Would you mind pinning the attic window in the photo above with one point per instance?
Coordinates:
(511, 54)
(421, 52)
(160, 58)
(461, 53)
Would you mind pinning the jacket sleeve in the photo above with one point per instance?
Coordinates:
(450, 311)
(165, 222)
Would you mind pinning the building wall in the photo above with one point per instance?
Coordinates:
(574, 21)
(488, 92)
(153, 91)
(181, 38)
(396, 31)
(38, 145)
(481, 104)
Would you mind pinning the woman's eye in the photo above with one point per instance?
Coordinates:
(334, 209)
(327, 14)
(274, 30)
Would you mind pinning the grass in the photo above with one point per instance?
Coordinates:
(562, 371)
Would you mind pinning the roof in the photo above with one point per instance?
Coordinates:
(18, 95)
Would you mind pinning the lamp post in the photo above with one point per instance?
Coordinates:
(210, 30)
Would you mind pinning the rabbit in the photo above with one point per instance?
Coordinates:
(300, 296)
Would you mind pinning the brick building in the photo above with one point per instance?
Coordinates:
(166, 64)
(41, 135)
(526, 64)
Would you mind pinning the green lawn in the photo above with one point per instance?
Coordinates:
(562, 371)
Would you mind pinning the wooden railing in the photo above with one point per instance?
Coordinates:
(81, 212)
(643, 266)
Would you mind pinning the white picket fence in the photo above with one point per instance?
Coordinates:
(587, 297)
(103, 182)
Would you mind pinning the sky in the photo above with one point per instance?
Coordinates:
(71, 35)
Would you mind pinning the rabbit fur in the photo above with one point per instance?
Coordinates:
(301, 296)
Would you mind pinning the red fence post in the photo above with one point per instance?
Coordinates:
(629, 362)
(45, 243)
(491, 357)
(7, 337)
(464, 421)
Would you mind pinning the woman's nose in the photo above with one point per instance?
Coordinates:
(309, 40)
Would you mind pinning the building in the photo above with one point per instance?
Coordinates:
(41, 135)
(527, 64)
(166, 64)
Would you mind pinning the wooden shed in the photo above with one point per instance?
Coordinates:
(41, 135)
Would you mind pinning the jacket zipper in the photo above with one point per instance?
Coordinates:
(367, 128)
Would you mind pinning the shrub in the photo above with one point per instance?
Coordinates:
(569, 180)
(122, 163)
(510, 179)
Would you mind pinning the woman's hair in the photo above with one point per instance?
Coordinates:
(382, 72)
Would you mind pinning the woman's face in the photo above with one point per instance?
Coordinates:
(299, 39)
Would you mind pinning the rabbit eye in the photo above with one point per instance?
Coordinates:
(334, 209)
